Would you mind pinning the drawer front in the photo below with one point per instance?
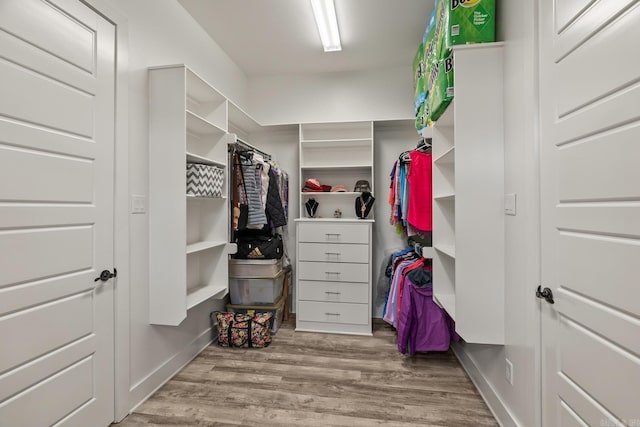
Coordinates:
(333, 272)
(333, 252)
(330, 312)
(333, 232)
(333, 292)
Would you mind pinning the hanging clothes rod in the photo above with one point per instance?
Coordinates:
(250, 147)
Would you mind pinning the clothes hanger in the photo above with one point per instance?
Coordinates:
(424, 145)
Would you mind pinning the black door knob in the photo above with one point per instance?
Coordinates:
(545, 293)
(106, 275)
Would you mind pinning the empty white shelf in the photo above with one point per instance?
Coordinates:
(447, 302)
(445, 197)
(446, 158)
(197, 295)
(328, 193)
(202, 126)
(449, 250)
(203, 246)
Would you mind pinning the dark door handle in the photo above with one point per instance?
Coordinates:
(545, 293)
(106, 275)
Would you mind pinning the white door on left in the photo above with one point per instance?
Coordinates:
(57, 61)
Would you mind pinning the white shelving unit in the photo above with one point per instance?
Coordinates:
(336, 154)
(188, 236)
(333, 262)
(468, 197)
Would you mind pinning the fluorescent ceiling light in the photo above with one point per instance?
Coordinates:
(325, 14)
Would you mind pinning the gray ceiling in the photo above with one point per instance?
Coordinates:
(279, 36)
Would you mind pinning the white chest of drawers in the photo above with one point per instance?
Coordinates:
(333, 276)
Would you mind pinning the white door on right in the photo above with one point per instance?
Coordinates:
(590, 187)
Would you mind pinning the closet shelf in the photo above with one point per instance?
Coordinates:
(445, 197)
(446, 158)
(332, 167)
(202, 293)
(194, 158)
(203, 246)
(323, 144)
(333, 220)
(447, 302)
(202, 126)
(191, 196)
(328, 193)
(449, 250)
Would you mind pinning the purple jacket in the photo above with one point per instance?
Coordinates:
(422, 326)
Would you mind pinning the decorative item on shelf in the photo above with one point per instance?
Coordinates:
(337, 213)
(339, 189)
(361, 186)
(364, 203)
(312, 207)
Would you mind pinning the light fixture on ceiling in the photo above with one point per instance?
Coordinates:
(327, 22)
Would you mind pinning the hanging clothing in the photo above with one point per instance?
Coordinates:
(422, 325)
(420, 192)
(253, 187)
(274, 207)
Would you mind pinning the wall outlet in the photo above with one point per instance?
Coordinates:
(138, 204)
(510, 204)
(509, 371)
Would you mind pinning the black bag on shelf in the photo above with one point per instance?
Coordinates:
(259, 247)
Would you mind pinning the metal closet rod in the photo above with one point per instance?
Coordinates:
(248, 146)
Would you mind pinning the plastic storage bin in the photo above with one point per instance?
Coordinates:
(254, 267)
(256, 290)
(277, 310)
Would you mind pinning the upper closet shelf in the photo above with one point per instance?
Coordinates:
(194, 158)
(446, 158)
(201, 126)
(330, 167)
(328, 143)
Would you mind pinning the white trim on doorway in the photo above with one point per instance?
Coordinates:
(121, 207)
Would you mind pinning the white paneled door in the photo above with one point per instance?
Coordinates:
(56, 214)
(590, 168)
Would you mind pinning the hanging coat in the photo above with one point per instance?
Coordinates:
(274, 208)
(422, 325)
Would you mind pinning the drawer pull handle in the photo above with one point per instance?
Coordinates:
(332, 253)
(332, 314)
(332, 293)
(336, 235)
(333, 272)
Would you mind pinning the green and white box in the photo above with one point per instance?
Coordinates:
(471, 21)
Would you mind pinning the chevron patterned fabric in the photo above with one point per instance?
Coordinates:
(204, 180)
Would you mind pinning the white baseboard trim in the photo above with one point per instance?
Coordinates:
(141, 391)
(487, 392)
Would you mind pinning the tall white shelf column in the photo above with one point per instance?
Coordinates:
(468, 197)
(188, 236)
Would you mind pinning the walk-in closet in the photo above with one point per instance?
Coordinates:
(319, 213)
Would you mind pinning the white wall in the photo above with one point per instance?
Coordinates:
(517, 24)
(382, 94)
(160, 33)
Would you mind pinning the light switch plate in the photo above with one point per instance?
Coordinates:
(138, 204)
(510, 204)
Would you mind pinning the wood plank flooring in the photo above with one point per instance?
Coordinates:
(310, 379)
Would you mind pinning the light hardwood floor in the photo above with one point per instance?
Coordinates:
(311, 379)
